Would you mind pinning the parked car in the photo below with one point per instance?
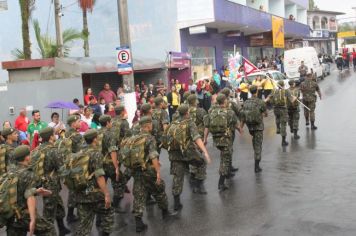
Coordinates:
(275, 75)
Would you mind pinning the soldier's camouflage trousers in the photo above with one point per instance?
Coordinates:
(87, 213)
(225, 160)
(309, 114)
(71, 199)
(257, 139)
(180, 163)
(293, 118)
(20, 227)
(118, 186)
(281, 115)
(53, 207)
(144, 184)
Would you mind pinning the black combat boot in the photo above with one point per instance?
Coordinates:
(104, 234)
(177, 205)
(313, 127)
(71, 218)
(234, 169)
(166, 214)
(278, 130)
(257, 166)
(284, 141)
(116, 205)
(140, 226)
(296, 136)
(307, 121)
(199, 187)
(222, 186)
(192, 178)
(61, 228)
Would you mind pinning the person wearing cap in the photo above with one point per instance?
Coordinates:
(197, 174)
(303, 70)
(160, 115)
(255, 129)
(293, 109)
(111, 166)
(94, 201)
(148, 181)
(53, 208)
(6, 150)
(191, 156)
(279, 99)
(309, 88)
(235, 106)
(121, 126)
(223, 141)
(74, 124)
(29, 220)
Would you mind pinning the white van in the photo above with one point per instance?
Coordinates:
(293, 57)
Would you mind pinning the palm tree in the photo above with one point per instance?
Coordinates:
(26, 7)
(48, 46)
(86, 5)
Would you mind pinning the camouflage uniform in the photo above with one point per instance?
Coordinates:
(9, 161)
(26, 187)
(52, 205)
(293, 110)
(145, 181)
(308, 89)
(77, 144)
(279, 100)
(91, 202)
(180, 161)
(161, 116)
(224, 142)
(256, 131)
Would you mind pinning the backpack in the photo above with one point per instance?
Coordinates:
(64, 145)
(157, 115)
(176, 136)
(2, 159)
(308, 90)
(132, 151)
(37, 161)
(75, 171)
(218, 121)
(279, 98)
(8, 197)
(251, 112)
(193, 114)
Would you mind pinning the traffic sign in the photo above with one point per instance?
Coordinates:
(124, 62)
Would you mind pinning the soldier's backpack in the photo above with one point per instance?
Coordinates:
(308, 89)
(116, 129)
(8, 197)
(37, 161)
(2, 159)
(64, 146)
(251, 113)
(100, 139)
(75, 171)
(176, 136)
(157, 116)
(279, 98)
(132, 151)
(193, 113)
(218, 125)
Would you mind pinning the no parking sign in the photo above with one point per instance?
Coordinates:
(124, 62)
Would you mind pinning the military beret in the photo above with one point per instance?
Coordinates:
(119, 109)
(226, 92)
(145, 120)
(104, 118)
(253, 88)
(220, 98)
(72, 119)
(91, 134)
(146, 107)
(46, 132)
(192, 98)
(158, 101)
(21, 151)
(7, 131)
(291, 82)
(186, 95)
(183, 109)
(281, 82)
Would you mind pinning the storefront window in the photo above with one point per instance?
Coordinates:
(254, 54)
(203, 61)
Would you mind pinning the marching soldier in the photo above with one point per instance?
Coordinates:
(293, 110)
(279, 98)
(95, 200)
(308, 89)
(6, 150)
(161, 116)
(252, 115)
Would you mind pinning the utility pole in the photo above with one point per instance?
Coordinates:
(125, 40)
(57, 15)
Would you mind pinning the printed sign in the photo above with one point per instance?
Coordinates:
(124, 61)
(278, 32)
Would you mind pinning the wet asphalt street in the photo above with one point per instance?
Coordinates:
(307, 188)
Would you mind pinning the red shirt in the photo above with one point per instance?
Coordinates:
(86, 99)
(109, 96)
(21, 123)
